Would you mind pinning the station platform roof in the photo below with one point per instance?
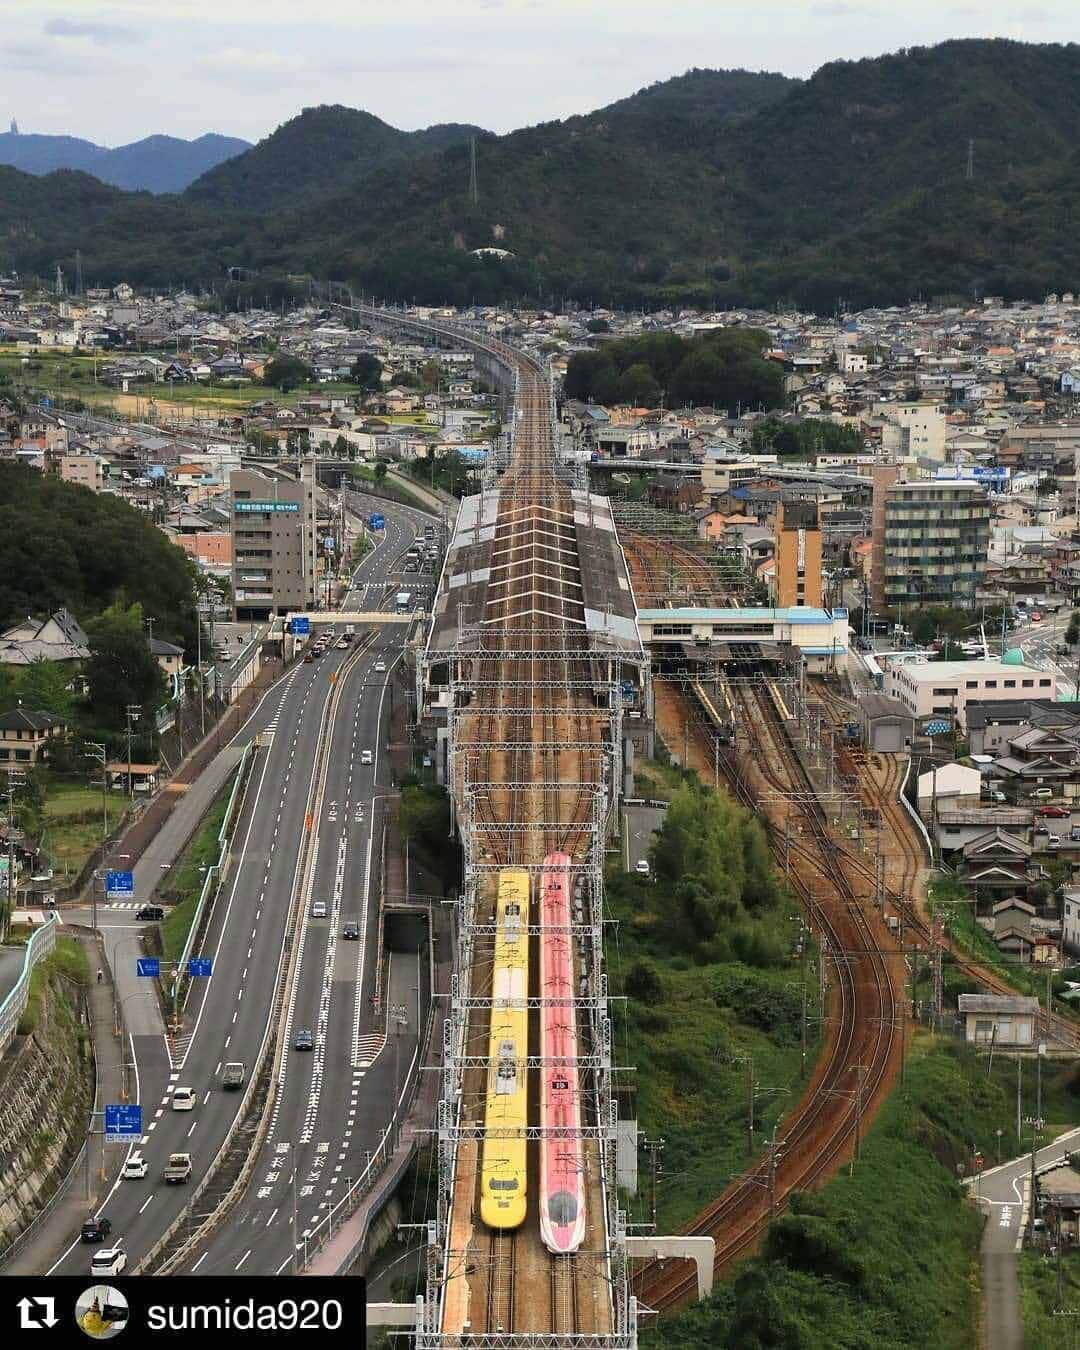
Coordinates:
(609, 616)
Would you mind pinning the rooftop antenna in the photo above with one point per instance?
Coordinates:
(474, 190)
(969, 172)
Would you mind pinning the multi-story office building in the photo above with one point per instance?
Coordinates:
(936, 539)
(798, 555)
(273, 543)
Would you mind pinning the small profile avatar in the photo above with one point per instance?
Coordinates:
(102, 1312)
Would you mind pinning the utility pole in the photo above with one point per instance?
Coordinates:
(132, 714)
(655, 1148)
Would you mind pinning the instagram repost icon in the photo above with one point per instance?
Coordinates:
(101, 1312)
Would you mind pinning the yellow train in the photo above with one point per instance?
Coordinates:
(503, 1181)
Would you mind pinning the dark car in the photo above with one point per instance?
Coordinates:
(96, 1230)
(304, 1041)
(150, 912)
(351, 931)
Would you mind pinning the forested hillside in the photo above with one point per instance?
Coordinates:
(61, 544)
(314, 152)
(715, 187)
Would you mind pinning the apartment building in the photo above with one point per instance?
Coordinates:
(273, 543)
(86, 470)
(912, 430)
(943, 689)
(798, 555)
(935, 543)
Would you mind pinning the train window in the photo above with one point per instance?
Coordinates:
(497, 1185)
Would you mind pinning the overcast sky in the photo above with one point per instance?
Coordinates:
(115, 71)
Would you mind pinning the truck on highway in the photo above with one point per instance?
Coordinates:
(403, 601)
(177, 1170)
(232, 1076)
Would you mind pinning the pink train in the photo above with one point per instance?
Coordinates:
(562, 1169)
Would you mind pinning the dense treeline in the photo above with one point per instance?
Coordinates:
(805, 436)
(711, 863)
(63, 545)
(723, 369)
(718, 187)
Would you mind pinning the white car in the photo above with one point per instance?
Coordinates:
(135, 1168)
(108, 1261)
(318, 909)
(641, 867)
(366, 757)
(183, 1099)
(380, 667)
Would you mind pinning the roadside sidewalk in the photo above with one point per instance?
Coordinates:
(60, 1221)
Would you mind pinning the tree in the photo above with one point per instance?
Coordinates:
(367, 371)
(380, 471)
(639, 386)
(286, 372)
(598, 326)
(44, 687)
(430, 374)
(1072, 633)
(122, 670)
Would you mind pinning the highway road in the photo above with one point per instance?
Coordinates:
(227, 1014)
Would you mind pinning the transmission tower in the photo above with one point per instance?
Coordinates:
(969, 172)
(474, 189)
(59, 280)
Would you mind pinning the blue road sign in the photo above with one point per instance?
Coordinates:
(301, 625)
(119, 883)
(122, 1122)
(377, 522)
(148, 966)
(200, 967)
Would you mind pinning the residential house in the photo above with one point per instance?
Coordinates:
(1013, 934)
(26, 737)
(56, 638)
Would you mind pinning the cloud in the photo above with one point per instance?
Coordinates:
(104, 34)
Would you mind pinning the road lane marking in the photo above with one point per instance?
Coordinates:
(243, 1258)
(145, 1203)
(199, 1262)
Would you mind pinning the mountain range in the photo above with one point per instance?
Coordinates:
(154, 164)
(946, 171)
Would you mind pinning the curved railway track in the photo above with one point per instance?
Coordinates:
(859, 1055)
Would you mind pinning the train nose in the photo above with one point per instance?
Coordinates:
(563, 1208)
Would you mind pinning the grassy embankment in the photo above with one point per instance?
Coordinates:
(886, 1255)
(184, 883)
(67, 959)
(1043, 1330)
(705, 953)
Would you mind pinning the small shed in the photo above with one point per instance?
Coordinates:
(886, 724)
(1001, 1019)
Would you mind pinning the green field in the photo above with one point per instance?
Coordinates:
(63, 375)
(73, 824)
